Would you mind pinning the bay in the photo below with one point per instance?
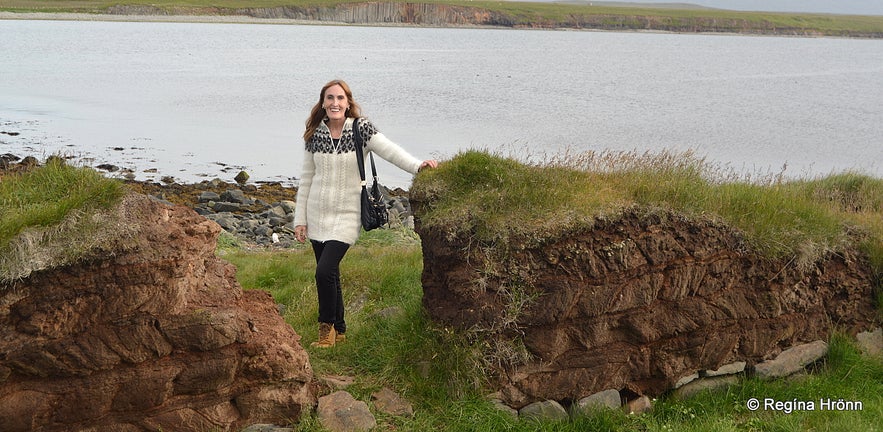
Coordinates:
(200, 100)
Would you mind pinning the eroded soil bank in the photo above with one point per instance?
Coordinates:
(634, 303)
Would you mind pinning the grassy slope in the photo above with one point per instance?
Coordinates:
(544, 14)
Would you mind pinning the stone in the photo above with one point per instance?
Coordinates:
(607, 399)
(242, 177)
(235, 196)
(871, 342)
(227, 221)
(288, 206)
(727, 369)
(686, 380)
(29, 161)
(208, 196)
(499, 405)
(226, 206)
(548, 410)
(337, 381)
(267, 204)
(705, 384)
(389, 402)
(276, 211)
(340, 412)
(277, 221)
(263, 427)
(792, 360)
(638, 406)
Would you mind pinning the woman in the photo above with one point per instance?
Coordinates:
(328, 205)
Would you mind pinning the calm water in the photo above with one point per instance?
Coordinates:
(190, 99)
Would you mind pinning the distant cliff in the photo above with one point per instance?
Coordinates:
(573, 17)
(428, 14)
(388, 13)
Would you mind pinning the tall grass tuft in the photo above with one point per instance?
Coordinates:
(55, 215)
(856, 199)
(45, 195)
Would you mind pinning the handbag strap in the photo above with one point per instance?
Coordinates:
(360, 155)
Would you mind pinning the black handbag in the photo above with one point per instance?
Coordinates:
(374, 210)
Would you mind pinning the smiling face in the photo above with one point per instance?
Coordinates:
(335, 103)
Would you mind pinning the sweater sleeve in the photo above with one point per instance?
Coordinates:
(393, 153)
(303, 189)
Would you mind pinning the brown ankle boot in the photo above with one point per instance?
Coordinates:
(327, 336)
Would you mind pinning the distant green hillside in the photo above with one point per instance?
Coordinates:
(505, 14)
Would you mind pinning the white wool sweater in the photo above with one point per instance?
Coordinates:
(329, 195)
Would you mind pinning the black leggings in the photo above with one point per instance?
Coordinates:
(328, 257)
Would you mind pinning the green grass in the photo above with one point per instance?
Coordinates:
(532, 14)
(494, 199)
(391, 343)
(46, 195)
(39, 201)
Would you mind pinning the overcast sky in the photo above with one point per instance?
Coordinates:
(850, 7)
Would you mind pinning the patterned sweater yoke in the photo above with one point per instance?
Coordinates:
(328, 196)
(321, 142)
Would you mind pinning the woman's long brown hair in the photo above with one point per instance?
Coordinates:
(317, 114)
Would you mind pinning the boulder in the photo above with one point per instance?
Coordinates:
(711, 383)
(607, 399)
(638, 406)
(341, 412)
(792, 360)
(871, 342)
(548, 410)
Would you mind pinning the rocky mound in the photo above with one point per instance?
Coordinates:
(633, 303)
(258, 214)
(151, 332)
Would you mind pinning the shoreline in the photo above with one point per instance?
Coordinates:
(212, 19)
(249, 19)
(245, 19)
(231, 19)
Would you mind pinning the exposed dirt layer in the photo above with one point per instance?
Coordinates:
(151, 335)
(635, 303)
